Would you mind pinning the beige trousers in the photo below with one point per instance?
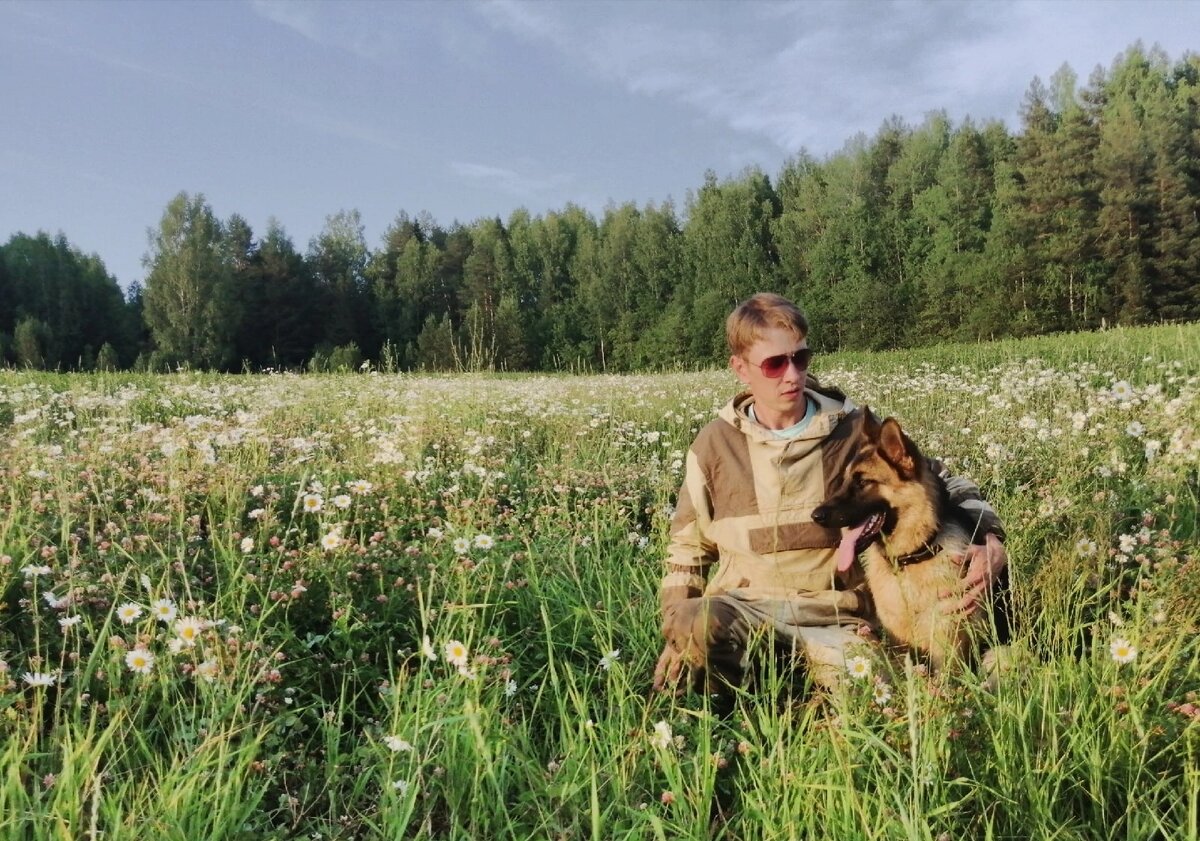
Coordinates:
(715, 632)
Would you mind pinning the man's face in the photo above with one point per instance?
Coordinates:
(778, 400)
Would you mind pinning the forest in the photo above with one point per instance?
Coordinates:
(1087, 216)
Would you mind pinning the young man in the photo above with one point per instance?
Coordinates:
(753, 477)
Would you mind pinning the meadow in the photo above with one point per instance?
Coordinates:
(403, 606)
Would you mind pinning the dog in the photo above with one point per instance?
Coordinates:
(895, 510)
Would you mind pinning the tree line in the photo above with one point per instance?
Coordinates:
(1088, 215)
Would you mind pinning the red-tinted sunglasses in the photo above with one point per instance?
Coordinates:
(775, 367)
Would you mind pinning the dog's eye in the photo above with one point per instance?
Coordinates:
(861, 481)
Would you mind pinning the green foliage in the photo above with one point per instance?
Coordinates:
(335, 536)
(190, 305)
(1086, 217)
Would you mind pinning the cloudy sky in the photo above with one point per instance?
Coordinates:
(298, 109)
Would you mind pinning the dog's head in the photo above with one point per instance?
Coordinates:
(867, 497)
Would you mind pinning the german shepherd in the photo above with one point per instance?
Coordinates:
(896, 508)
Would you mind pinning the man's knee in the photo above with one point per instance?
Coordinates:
(704, 625)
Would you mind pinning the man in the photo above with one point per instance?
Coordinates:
(753, 477)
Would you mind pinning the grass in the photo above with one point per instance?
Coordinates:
(524, 518)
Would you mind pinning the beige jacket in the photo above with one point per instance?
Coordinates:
(746, 506)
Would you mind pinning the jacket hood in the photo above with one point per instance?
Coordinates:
(831, 408)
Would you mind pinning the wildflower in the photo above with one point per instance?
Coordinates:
(662, 737)
(1085, 548)
(69, 622)
(484, 542)
(1135, 429)
(129, 612)
(461, 545)
(164, 610)
(456, 653)
(1122, 650)
(882, 693)
(331, 541)
(1127, 542)
(188, 630)
(400, 787)
(54, 601)
(39, 679)
(34, 570)
(395, 744)
(858, 667)
(360, 487)
(140, 660)
(608, 659)
(313, 503)
(1122, 390)
(247, 545)
(256, 491)
(207, 670)
(341, 501)
(466, 671)
(256, 514)
(510, 688)
(435, 533)
(427, 649)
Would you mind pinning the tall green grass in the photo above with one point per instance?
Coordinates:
(523, 520)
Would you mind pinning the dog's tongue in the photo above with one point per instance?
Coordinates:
(847, 549)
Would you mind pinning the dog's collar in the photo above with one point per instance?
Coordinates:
(930, 550)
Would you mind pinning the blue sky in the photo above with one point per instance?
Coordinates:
(466, 109)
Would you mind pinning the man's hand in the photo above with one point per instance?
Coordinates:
(983, 564)
(672, 665)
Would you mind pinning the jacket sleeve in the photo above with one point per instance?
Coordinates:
(690, 552)
(965, 495)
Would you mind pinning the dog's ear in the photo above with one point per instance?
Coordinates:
(896, 448)
(869, 423)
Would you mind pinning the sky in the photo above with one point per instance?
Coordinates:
(298, 110)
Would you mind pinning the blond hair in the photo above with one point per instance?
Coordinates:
(758, 313)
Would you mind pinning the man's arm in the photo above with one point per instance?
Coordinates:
(689, 556)
(984, 560)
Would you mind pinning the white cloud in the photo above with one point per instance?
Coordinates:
(300, 17)
(509, 181)
(816, 73)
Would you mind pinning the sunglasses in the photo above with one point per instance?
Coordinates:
(775, 367)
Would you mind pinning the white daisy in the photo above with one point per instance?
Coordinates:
(188, 630)
(858, 667)
(164, 610)
(140, 660)
(1122, 650)
(331, 541)
(484, 542)
(129, 612)
(456, 653)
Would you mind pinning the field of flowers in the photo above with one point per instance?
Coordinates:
(392, 606)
